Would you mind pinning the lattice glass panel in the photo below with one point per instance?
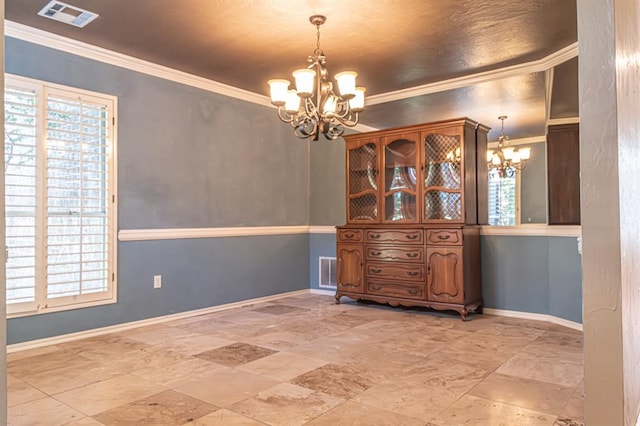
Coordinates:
(400, 206)
(363, 208)
(443, 205)
(442, 161)
(363, 169)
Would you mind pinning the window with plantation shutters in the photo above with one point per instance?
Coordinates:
(503, 202)
(60, 197)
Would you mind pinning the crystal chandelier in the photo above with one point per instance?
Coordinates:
(506, 161)
(313, 107)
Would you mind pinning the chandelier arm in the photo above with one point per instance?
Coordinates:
(284, 116)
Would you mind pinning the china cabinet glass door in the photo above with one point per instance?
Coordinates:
(442, 177)
(400, 182)
(362, 182)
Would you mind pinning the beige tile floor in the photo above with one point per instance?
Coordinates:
(304, 360)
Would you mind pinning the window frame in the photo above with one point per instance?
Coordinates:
(517, 197)
(42, 305)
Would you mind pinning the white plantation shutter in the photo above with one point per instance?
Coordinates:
(77, 197)
(20, 171)
(503, 206)
(60, 197)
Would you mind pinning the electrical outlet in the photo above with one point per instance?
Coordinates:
(157, 281)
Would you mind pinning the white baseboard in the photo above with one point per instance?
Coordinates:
(32, 344)
(536, 317)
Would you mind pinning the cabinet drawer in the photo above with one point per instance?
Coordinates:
(350, 235)
(397, 289)
(397, 253)
(396, 271)
(447, 237)
(407, 236)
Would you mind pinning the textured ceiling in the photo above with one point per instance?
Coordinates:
(392, 44)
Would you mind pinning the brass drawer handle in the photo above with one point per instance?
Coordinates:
(413, 290)
(444, 237)
(376, 253)
(375, 271)
(412, 273)
(376, 287)
(349, 236)
(374, 236)
(412, 254)
(411, 237)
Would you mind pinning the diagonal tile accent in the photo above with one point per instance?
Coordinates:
(338, 380)
(165, 408)
(236, 354)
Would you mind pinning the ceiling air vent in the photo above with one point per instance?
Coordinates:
(68, 14)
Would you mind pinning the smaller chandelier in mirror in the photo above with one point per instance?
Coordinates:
(313, 107)
(506, 161)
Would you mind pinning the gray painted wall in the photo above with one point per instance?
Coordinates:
(187, 158)
(533, 186)
(3, 290)
(327, 183)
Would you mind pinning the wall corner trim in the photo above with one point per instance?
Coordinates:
(538, 230)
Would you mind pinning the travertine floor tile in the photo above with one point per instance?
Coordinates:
(45, 362)
(353, 414)
(14, 356)
(166, 408)
(179, 373)
(225, 388)
(235, 354)
(19, 392)
(526, 393)
(424, 395)
(545, 369)
(150, 356)
(338, 380)
(74, 376)
(157, 335)
(87, 421)
(286, 405)
(470, 410)
(224, 417)
(282, 365)
(101, 396)
(42, 412)
(280, 309)
(194, 343)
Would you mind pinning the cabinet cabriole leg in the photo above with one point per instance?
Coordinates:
(338, 299)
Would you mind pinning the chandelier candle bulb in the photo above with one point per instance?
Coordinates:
(489, 155)
(292, 103)
(525, 153)
(347, 83)
(278, 89)
(304, 82)
(508, 153)
(357, 102)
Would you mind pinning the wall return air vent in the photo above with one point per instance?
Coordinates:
(67, 14)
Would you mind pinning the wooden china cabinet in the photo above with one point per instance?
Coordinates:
(415, 198)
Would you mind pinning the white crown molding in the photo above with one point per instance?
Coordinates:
(521, 141)
(560, 121)
(537, 230)
(182, 233)
(536, 317)
(56, 340)
(54, 41)
(322, 229)
(64, 44)
(543, 64)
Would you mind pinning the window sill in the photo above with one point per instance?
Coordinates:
(61, 308)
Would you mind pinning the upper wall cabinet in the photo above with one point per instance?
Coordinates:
(428, 173)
